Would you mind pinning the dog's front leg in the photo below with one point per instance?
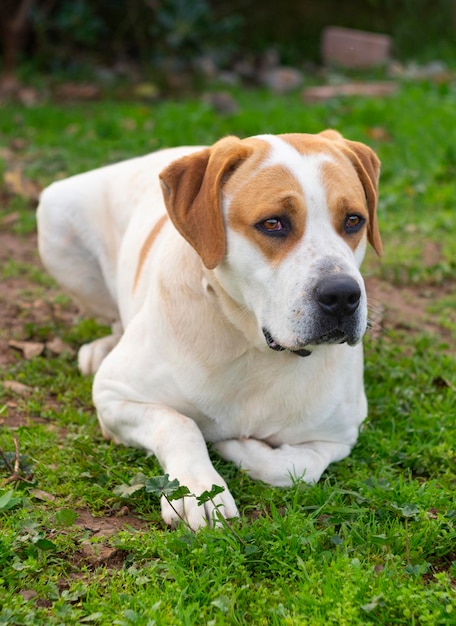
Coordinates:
(179, 446)
(285, 464)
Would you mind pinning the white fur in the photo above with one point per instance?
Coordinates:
(192, 363)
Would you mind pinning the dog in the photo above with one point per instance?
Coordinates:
(230, 275)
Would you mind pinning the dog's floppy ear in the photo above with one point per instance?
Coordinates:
(367, 165)
(192, 189)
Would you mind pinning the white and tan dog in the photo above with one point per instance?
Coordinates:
(236, 301)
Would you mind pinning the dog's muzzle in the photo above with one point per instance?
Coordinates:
(336, 301)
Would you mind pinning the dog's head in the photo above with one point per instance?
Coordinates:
(283, 223)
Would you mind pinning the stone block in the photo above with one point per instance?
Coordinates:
(326, 92)
(354, 49)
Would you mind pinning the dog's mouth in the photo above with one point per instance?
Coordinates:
(334, 336)
(272, 343)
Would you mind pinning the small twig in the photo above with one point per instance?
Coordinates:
(15, 469)
(17, 455)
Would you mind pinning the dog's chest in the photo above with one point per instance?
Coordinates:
(280, 399)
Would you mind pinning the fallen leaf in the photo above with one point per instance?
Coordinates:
(14, 386)
(29, 349)
(28, 594)
(124, 510)
(127, 490)
(39, 494)
(18, 184)
(10, 219)
(57, 346)
(97, 552)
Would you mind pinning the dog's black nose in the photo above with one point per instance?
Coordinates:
(338, 295)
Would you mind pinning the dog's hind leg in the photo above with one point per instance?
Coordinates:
(283, 465)
(76, 255)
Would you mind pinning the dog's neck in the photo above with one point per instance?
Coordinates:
(242, 320)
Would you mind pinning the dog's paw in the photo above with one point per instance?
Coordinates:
(91, 355)
(189, 511)
(275, 466)
(256, 458)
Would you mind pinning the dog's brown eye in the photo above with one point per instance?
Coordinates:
(275, 226)
(272, 224)
(353, 223)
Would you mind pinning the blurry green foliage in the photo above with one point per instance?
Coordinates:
(67, 34)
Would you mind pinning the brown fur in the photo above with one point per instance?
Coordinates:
(147, 246)
(192, 192)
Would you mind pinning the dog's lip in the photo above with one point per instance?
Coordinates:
(272, 343)
(336, 335)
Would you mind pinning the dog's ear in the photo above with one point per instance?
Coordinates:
(192, 189)
(367, 166)
(332, 134)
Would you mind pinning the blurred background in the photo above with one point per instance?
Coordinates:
(175, 45)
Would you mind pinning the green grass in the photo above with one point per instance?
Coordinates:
(373, 543)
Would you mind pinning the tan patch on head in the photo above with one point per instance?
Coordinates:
(194, 186)
(273, 192)
(345, 196)
(307, 144)
(147, 245)
(367, 166)
(258, 153)
(352, 180)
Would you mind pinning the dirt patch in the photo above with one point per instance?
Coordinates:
(22, 249)
(102, 527)
(406, 308)
(24, 304)
(16, 417)
(442, 564)
(12, 304)
(94, 550)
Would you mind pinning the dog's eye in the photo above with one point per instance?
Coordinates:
(274, 226)
(353, 223)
